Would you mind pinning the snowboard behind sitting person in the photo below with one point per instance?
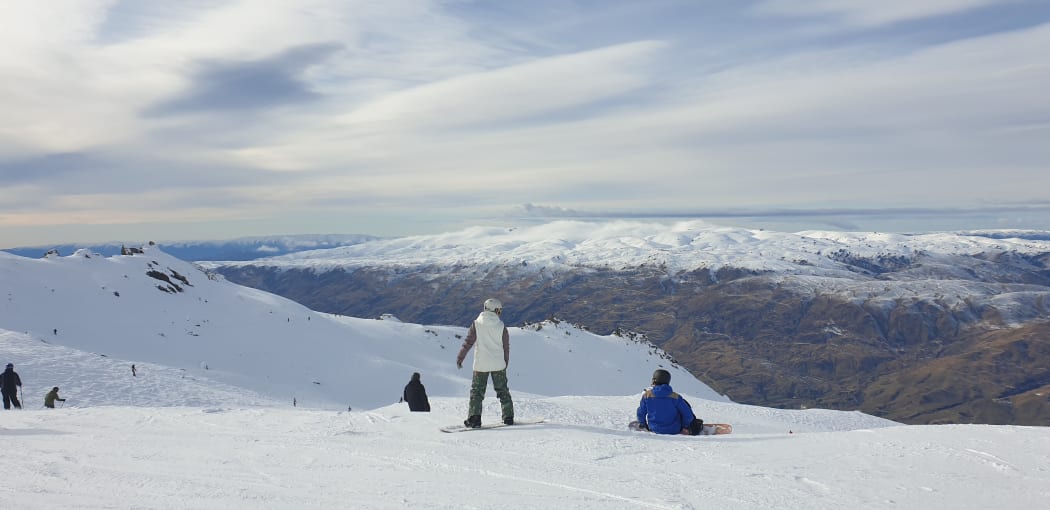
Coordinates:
(663, 411)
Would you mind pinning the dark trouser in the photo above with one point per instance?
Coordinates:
(11, 398)
(477, 393)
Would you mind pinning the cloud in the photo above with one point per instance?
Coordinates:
(514, 92)
(118, 188)
(869, 13)
(1005, 215)
(545, 211)
(438, 117)
(122, 172)
(269, 82)
(532, 210)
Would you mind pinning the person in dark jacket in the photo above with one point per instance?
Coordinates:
(51, 397)
(416, 395)
(9, 384)
(665, 412)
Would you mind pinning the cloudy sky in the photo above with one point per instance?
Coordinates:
(134, 120)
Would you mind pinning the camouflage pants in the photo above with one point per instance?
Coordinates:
(479, 385)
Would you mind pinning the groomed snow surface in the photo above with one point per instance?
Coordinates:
(225, 457)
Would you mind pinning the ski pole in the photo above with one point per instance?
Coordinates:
(21, 399)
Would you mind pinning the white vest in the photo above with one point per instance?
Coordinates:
(488, 348)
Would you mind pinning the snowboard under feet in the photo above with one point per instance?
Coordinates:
(463, 428)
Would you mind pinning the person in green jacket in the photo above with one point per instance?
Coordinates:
(51, 397)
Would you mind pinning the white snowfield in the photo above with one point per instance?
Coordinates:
(207, 422)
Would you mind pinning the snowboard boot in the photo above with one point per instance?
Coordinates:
(508, 420)
(473, 421)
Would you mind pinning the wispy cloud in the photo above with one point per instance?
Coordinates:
(247, 85)
(870, 12)
(547, 211)
(1006, 215)
(515, 92)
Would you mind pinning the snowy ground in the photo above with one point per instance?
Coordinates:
(130, 457)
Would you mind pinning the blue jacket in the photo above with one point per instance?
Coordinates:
(664, 411)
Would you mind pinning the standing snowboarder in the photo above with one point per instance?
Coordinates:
(416, 395)
(51, 397)
(491, 357)
(9, 384)
(133, 371)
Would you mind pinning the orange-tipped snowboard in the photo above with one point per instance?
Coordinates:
(709, 429)
(714, 429)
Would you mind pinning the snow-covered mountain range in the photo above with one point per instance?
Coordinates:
(861, 267)
(845, 320)
(683, 246)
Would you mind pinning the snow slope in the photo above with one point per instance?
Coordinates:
(254, 340)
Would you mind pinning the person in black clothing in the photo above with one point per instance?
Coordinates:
(9, 384)
(416, 395)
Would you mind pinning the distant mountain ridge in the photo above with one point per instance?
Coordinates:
(892, 324)
(240, 249)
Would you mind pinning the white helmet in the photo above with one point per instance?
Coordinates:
(492, 305)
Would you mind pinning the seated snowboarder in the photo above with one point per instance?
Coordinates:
(51, 397)
(665, 412)
(416, 395)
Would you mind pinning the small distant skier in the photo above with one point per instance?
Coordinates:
(665, 412)
(133, 371)
(416, 395)
(51, 397)
(295, 403)
(9, 384)
(492, 356)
